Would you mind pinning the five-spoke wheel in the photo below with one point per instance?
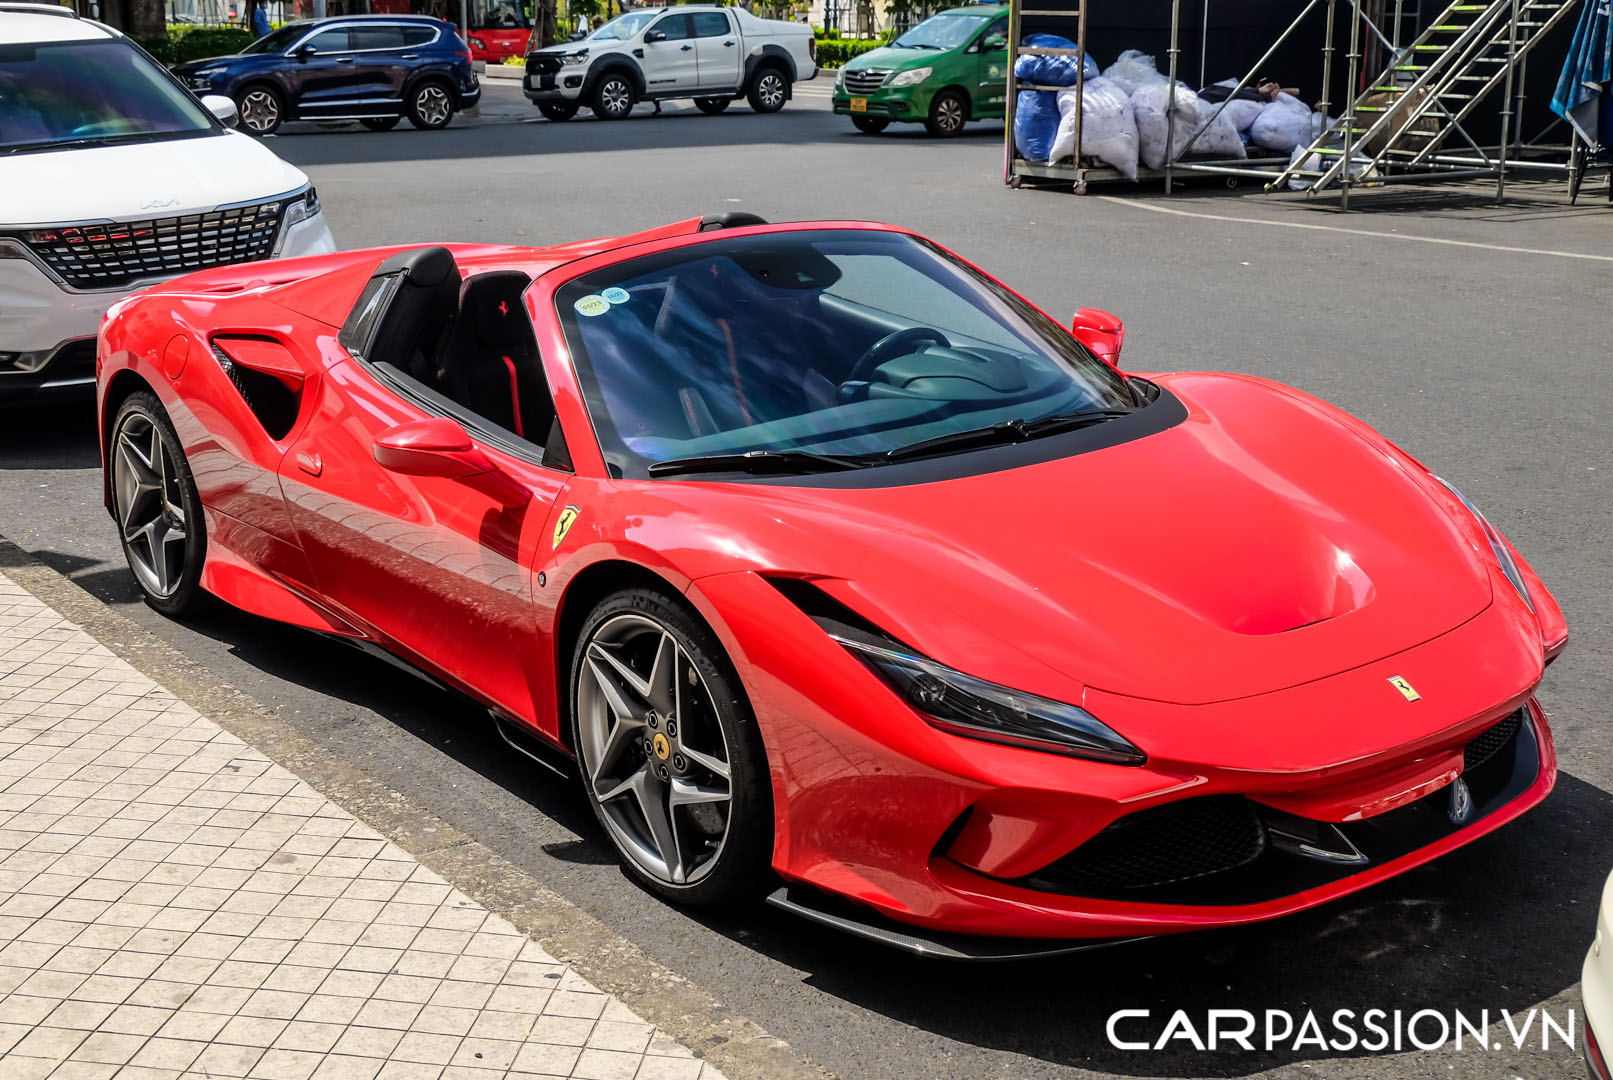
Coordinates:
(157, 508)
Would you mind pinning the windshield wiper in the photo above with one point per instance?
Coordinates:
(757, 461)
(80, 142)
(1009, 431)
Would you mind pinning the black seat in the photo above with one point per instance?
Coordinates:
(490, 364)
(421, 313)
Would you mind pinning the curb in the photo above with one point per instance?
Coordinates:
(503, 71)
(713, 1031)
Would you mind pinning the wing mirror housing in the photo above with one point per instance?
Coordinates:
(436, 446)
(993, 43)
(1102, 333)
(223, 109)
(303, 53)
(654, 35)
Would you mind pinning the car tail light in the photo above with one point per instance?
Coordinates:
(812, 48)
(1593, 1056)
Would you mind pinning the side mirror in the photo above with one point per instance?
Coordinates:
(223, 109)
(1102, 333)
(993, 43)
(436, 446)
(654, 35)
(303, 54)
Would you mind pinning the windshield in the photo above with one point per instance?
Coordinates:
(61, 93)
(829, 342)
(624, 26)
(941, 32)
(497, 15)
(277, 41)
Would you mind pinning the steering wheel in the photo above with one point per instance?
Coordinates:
(886, 347)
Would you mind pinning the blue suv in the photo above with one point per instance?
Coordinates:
(372, 68)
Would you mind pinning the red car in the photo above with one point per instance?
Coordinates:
(844, 572)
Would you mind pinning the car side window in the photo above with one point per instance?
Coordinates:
(996, 29)
(418, 35)
(377, 37)
(675, 27)
(710, 24)
(329, 41)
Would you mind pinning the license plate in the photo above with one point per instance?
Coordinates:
(859, 104)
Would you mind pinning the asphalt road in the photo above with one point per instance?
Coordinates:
(1487, 364)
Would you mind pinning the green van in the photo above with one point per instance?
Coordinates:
(949, 69)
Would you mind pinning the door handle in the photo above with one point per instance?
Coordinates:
(729, 44)
(410, 56)
(344, 59)
(686, 48)
(310, 463)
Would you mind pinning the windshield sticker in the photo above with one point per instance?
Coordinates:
(616, 295)
(592, 304)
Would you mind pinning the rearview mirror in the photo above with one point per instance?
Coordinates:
(1102, 333)
(654, 35)
(303, 54)
(223, 109)
(436, 446)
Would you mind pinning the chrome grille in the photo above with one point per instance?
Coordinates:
(865, 80)
(106, 256)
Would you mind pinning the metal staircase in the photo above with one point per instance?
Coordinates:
(1397, 125)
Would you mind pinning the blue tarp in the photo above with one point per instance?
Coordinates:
(1585, 78)
(1053, 70)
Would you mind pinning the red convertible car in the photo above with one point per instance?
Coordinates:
(844, 573)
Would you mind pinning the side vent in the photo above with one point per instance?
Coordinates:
(827, 612)
(268, 379)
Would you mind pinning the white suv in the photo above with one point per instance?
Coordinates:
(115, 176)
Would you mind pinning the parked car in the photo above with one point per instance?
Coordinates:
(949, 69)
(372, 68)
(832, 560)
(710, 54)
(115, 176)
(1597, 988)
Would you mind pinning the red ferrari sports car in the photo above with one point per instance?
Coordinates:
(844, 572)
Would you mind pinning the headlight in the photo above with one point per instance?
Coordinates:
(574, 58)
(964, 705)
(200, 80)
(911, 77)
(1509, 565)
(476, 42)
(840, 79)
(301, 209)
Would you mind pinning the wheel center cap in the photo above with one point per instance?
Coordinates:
(663, 748)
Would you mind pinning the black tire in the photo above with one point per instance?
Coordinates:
(949, 111)
(431, 105)
(768, 90)
(614, 96)
(262, 109)
(711, 106)
(558, 111)
(870, 125)
(741, 867)
(380, 123)
(139, 418)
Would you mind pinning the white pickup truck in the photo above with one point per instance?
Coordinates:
(711, 54)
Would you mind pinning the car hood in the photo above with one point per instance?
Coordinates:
(888, 59)
(1259, 544)
(164, 178)
(227, 60)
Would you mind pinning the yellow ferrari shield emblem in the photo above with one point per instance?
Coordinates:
(662, 747)
(1407, 691)
(568, 517)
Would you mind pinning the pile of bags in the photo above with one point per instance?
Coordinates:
(1125, 114)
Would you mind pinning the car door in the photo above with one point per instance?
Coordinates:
(378, 68)
(324, 73)
(990, 90)
(670, 62)
(717, 49)
(428, 566)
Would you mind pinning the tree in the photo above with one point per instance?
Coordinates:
(147, 18)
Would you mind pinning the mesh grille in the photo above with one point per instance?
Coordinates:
(866, 80)
(106, 256)
(1177, 842)
(1492, 742)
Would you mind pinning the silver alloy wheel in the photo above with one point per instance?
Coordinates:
(653, 750)
(260, 110)
(949, 114)
(616, 97)
(151, 511)
(770, 91)
(431, 104)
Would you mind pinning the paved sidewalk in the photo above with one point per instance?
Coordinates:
(174, 904)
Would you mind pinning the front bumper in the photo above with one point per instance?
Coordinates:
(1597, 988)
(565, 86)
(906, 103)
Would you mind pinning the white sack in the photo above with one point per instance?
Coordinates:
(1131, 70)
(1282, 125)
(1108, 128)
(1220, 138)
(1240, 112)
(1149, 104)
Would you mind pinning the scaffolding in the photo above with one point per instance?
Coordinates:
(1411, 90)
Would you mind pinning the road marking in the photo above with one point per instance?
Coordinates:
(1357, 232)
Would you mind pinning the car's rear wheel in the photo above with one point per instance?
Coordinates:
(613, 98)
(948, 113)
(768, 91)
(711, 106)
(159, 513)
(262, 110)
(380, 123)
(670, 756)
(431, 106)
(870, 125)
(557, 111)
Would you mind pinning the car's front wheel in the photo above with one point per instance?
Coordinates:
(431, 106)
(768, 92)
(557, 111)
(670, 755)
(613, 98)
(948, 113)
(711, 106)
(158, 510)
(262, 110)
(870, 125)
